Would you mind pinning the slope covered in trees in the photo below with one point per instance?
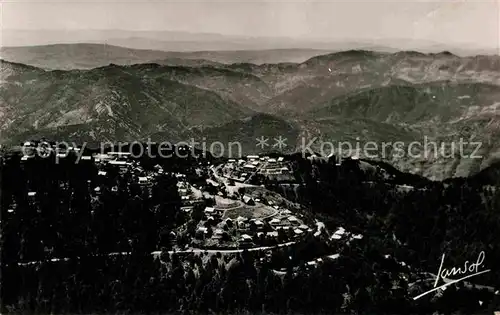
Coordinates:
(416, 226)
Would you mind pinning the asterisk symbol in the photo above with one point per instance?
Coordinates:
(262, 142)
(279, 142)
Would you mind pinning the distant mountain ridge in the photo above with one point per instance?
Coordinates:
(92, 55)
(189, 41)
(68, 56)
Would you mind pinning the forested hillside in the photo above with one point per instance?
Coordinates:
(73, 249)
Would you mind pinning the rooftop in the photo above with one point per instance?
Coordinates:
(246, 237)
(114, 162)
(209, 209)
(334, 256)
(119, 153)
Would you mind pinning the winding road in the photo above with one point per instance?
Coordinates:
(158, 253)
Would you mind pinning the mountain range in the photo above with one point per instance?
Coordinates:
(358, 96)
(92, 55)
(182, 41)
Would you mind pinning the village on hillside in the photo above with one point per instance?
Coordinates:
(224, 206)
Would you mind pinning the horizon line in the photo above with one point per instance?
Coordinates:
(371, 40)
(368, 49)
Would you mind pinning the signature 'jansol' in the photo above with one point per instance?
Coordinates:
(469, 269)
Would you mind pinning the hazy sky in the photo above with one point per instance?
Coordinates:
(475, 22)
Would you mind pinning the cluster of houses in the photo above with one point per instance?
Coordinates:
(241, 231)
(185, 190)
(241, 170)
(342, 234)
(118, 160)
(43, 149)
(122, 162)
(246, 232)
(275, 167)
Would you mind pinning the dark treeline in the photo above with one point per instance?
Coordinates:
(458, 217)
(228, 283)
(68, 218)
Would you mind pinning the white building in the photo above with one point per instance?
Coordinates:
(272, 234)
(246, 237)
(298, 231)
(340, 231)
(241, 219)
(334, 256)
(274, 221)
(357, 237)
(187, 209)
(209, 210)
(259, 224)
(248, 200)
(118, 163)
(119, 153)
(102, 157)
(202, 229)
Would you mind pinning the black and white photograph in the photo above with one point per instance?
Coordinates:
(250, 157)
